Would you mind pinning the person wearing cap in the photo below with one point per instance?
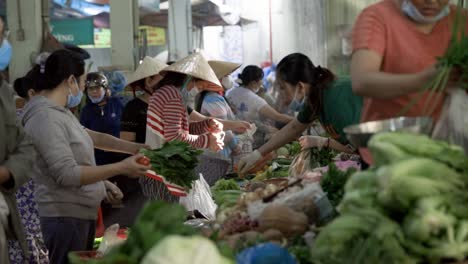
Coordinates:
(214, 104)
(101, 113)
(168, 118)
(143, 82)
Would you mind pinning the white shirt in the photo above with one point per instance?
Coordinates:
(247, 103)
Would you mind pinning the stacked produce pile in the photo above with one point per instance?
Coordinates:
(411, 208)
(175, 161)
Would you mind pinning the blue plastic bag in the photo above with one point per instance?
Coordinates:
(267, 253)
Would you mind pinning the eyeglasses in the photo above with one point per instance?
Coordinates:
(93, 88)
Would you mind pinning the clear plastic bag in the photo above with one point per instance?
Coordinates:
(110, 239)
(199, 198)
(453, 123)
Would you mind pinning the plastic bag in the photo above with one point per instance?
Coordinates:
(110, 240)
(200, 198)
(453, 123)
(265, 254)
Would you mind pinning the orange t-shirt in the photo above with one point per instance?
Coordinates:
(384, 29)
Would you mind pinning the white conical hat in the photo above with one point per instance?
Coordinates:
(149, 67)
(223, 68)
(196, 66)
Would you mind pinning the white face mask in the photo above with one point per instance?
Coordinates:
(412, 12)
(227, 82)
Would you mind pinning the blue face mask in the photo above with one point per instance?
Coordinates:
(296, 105)
(74, 100)
(412, 12)
(5, 54)
(97, 100)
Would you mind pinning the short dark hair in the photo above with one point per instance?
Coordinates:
(250, 74)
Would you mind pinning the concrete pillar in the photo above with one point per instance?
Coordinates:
(180, 29)
(124, 33)
(24, 48)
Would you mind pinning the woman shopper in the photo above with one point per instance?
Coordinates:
(327, 98)
(70, 187)
(252, 108)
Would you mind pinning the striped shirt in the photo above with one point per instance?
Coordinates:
(167, 120)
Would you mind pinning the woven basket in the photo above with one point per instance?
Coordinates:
(212, 168)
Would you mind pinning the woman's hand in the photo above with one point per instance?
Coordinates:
(113, 194)
(132, 168)
(238, 127)
(308, 142)
(216, 141)
(215, 126)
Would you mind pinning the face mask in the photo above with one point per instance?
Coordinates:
(97, 100)
(74, 100)
(412, 12)
(295, 104)
(5, 54)
(227, 82)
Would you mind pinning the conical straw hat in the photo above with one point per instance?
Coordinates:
(196, 66)
(149, 67)
(223, 68)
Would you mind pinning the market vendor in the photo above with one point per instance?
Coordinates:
(168, 118)
(395, 47)
(70, 187)
(326, 98)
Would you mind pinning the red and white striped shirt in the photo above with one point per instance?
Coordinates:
(167, 120)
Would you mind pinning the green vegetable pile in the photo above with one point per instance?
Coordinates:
(225, 193)
(333, 183)
(411, 208)
(175, 161)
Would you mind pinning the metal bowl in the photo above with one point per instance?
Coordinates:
(358, 135)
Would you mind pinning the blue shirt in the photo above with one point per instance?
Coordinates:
(104, 119)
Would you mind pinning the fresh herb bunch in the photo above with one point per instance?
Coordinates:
(454, 59)
(320, 157)
(333, 183)
(175, 161)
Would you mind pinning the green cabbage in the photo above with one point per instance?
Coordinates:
(183, 250)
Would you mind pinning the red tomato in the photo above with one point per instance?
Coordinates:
(144, 161)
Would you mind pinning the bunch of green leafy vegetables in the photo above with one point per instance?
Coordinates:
(320, 157)
(410, 208)
(294, 148)
(176, 161)
(224, 185)
(333, 182)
